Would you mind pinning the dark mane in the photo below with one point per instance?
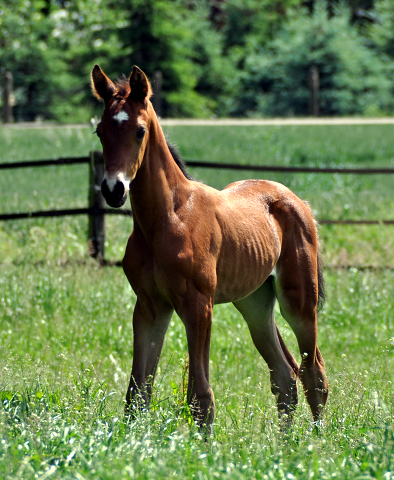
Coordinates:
(178, 160)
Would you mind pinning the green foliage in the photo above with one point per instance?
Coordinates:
(251, 22)
(24, 50)
(354, 80)
(179, 41)
(217, 59)
(52, 70)
(382, 30)
(83, 33)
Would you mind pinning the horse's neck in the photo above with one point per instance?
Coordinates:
(159, 186)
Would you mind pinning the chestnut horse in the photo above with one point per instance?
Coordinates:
(194, 246)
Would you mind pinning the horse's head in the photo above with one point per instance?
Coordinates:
(123, 130)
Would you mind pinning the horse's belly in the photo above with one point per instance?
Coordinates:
(242, 271)
(226, 295)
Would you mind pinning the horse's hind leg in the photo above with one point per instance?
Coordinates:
(296, 287)
(258, 311)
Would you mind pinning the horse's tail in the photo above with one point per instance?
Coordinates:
(320, 280)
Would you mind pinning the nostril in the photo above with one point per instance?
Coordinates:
(104, 189)
(119, 190)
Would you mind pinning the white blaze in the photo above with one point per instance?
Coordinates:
(121, 116)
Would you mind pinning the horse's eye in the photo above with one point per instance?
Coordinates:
(140, 133)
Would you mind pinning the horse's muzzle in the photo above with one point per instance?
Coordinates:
(115, 197)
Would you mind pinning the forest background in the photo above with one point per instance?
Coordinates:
(217, 58)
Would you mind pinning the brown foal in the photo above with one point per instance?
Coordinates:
(194, 246)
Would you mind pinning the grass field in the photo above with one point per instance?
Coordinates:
(66, 335)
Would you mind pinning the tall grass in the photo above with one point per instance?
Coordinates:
(66, 348)
(66, 333)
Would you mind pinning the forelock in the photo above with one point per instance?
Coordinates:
(122, 86)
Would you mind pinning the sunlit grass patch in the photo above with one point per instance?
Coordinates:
(76, 429)
(66, 349)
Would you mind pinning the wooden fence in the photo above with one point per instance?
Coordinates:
(96, 208)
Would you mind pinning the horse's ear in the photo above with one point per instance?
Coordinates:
(102, 87)
(140, 88)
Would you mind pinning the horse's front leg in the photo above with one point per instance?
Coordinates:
(150, 323)
(196, 314)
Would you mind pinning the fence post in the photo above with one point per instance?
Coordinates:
(96, 234)
(8, 99)
(314, 85)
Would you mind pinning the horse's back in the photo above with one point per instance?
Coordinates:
(274, 199)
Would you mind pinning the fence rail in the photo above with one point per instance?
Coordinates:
(45, 163)
(64, 213)
(97, 210)
(215, 165)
